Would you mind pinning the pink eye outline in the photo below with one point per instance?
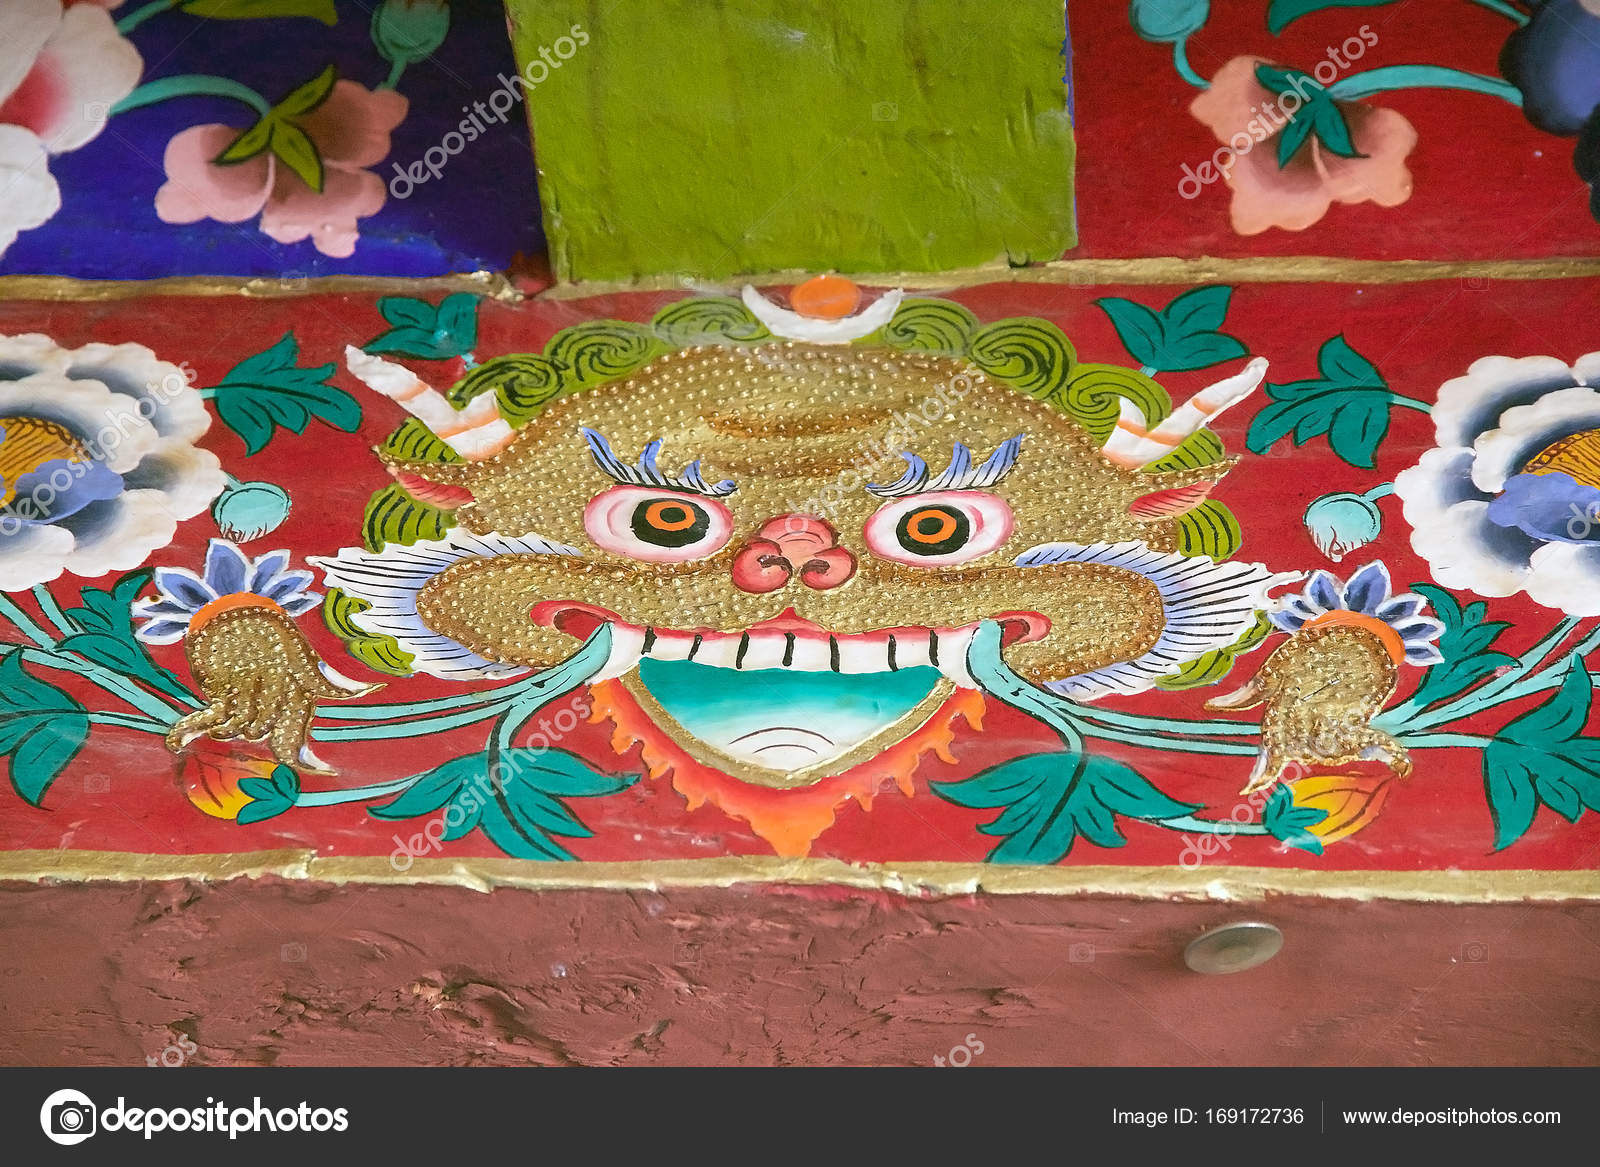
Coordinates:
(939, 528)
(657, 526)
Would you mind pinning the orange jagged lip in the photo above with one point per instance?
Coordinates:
(790, 820)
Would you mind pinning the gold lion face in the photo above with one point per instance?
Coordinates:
(790, 531)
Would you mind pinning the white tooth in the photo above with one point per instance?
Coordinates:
(671, 646)
(627, 644)
(861, 655)
(764, 651)
(953, 646)
(718, 650)
(911, 649)
(811, 655)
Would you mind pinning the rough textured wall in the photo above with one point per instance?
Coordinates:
(268, 972)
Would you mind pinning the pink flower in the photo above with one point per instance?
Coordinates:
(1297, 195)
(350, 131)
(61, 71)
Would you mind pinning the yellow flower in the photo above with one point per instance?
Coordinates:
(1351, 801)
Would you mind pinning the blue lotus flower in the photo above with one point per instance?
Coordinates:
(228, 571)
(1367, 593)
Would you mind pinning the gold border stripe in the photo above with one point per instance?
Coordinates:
(1217, 884)
(1086, 272)
(64, 288)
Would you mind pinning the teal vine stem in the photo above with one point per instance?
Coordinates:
(1180, 62)
(192, 85)
(1383, 489)
(1520, 680)
(354, 793)
(1504, 9)
(52, 610)
(48, 656)
(393, 78)
(1210, 826)
(139, 15)
(1391, 77)
(1410, 403)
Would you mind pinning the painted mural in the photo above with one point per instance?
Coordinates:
(872, 575)
(259, 137)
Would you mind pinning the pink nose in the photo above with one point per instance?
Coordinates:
(791, 544)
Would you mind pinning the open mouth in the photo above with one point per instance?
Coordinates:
(785, 702)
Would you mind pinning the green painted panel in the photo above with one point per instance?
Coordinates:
(718, 137)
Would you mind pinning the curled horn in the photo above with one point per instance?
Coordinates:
(1134, 446)
(475, 432)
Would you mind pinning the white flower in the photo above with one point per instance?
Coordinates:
(97, 458)
(1509, 499)
(61, 71)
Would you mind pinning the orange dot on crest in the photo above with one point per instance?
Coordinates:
(825, 297)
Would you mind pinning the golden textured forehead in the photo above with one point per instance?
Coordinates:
(712, 398)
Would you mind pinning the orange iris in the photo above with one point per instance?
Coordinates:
(942, 527)
(669, 516)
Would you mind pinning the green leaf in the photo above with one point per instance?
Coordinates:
(1464, 646)
(421, 330)
(1317, 114)
(1542, 757)
(106, 634)
(1290, 823)
(1280, 13)
(1349, 402)
(520, 813)
(41, 729)
(295, 149)
(247, 145)
(1183, 335)
(322, 10)
(269, 797)
(305, 98)
(269, 390)
(1050, 800)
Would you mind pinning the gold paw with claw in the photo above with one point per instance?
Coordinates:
(1322, 687)
(261, 680)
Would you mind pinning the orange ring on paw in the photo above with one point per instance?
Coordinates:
(1388, 636)
(228, 603)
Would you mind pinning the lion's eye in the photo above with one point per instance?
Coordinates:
(657, 526)
(939, 528)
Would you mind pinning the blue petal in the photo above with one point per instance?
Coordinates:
(1301, 608)
(1368, 588)
(266, 570)
(155, 609)
(184, 587)
(1420, 629)
(1402, 607)
(227, 569)
(285, 585)
(1323, 591)
(302, 603)
(162, 631)
(1423, 654)
(61, 488)
(1287, 620)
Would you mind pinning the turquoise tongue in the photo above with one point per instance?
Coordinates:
(825, 713)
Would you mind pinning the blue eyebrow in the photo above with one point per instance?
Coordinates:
(646, 473)
(960, 474)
